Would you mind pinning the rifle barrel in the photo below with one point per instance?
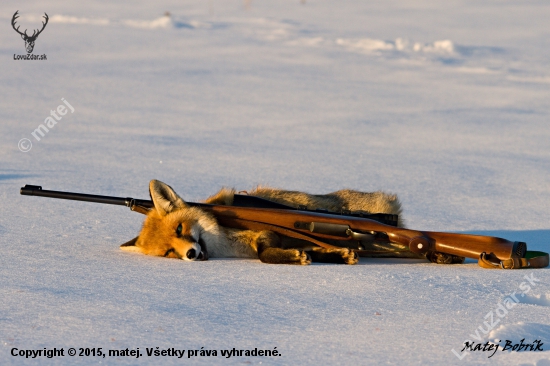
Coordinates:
(30, 190)
(239, 201)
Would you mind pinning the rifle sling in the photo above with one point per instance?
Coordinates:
(256, 226)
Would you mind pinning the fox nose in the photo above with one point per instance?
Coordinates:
(191, 254)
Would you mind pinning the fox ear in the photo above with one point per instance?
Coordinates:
(130, 246)
(164, 197)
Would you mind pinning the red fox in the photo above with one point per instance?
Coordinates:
(173, 229)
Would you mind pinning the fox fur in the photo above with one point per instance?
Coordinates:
(175, 230)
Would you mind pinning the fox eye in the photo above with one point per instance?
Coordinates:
(179, 229)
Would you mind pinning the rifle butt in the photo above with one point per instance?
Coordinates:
(472, 246)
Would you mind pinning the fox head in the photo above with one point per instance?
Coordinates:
(173, 229)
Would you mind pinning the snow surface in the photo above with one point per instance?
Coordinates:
(445, 103)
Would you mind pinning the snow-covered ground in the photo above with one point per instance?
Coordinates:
(445, 103)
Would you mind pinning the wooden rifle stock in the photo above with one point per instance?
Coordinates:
(492, 252)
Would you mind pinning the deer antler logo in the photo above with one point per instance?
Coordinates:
(29, 40)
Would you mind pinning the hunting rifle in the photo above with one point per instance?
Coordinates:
(255, 213)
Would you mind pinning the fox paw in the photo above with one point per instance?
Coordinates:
(350, 256)
(302, 258)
